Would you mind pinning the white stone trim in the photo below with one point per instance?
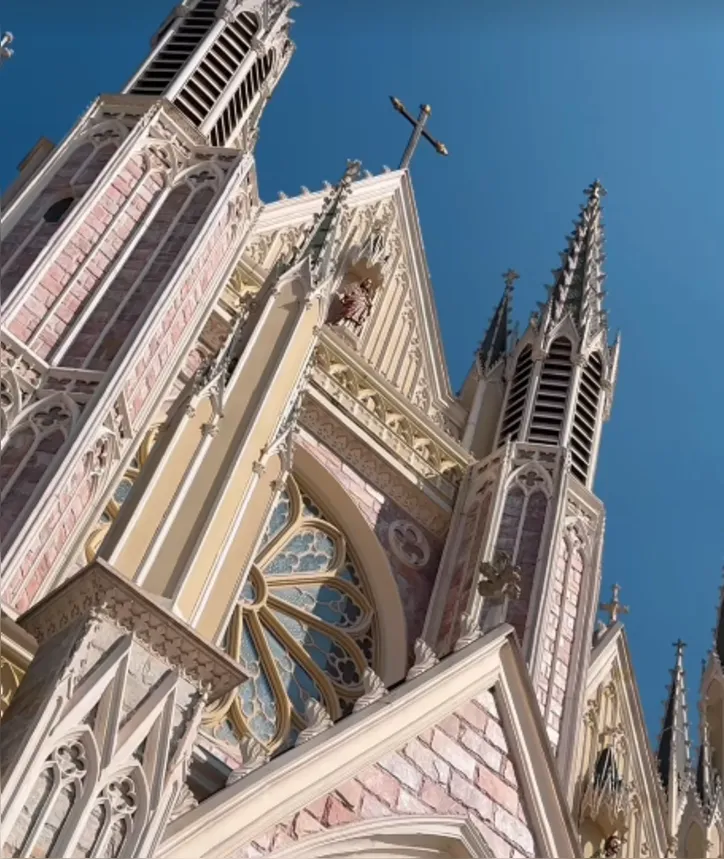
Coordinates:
(241, 812)
(410, 837)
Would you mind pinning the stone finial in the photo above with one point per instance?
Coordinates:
(282, 195)
(317, 720)
(374, 690)
(425, 658)
(253, 755)
(615, 607)
(469, 632)
(499, 578)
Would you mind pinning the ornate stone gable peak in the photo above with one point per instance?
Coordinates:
(100, 590)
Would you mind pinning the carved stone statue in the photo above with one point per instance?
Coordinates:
(612, 846)
(354, 305)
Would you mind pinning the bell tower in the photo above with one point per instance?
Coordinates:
(116, 245)
(526, 546)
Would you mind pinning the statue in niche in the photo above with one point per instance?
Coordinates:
(354, 305)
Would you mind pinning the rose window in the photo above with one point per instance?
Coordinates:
(303, 626)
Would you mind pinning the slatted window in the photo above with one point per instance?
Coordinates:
(206, 85)
(552, 394)
(584, 420)
(517, 396)
(177, 51)
(235, 110)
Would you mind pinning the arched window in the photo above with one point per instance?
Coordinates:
(55, 213)
(517, 396)
(584, 422)
(303, 628)
(552, 396)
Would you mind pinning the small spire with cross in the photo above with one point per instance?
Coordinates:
(418, 131)
(615, 607)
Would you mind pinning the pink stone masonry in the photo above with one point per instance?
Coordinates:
(415, 585)
(461, 768)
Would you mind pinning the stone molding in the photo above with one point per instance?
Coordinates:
(99, 589)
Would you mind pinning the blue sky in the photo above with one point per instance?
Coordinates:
(533, 102)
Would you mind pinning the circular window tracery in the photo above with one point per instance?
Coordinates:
(303, 627)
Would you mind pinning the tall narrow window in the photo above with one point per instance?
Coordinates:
(552, 395)
(171, 58)
(517, 396)
(584, 421)
(303, 628)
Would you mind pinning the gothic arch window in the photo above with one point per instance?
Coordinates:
(27, 454)
(517, 396)
(57, 211)
(304, 626)
(67, 775)
(120, 493)
(583, 432)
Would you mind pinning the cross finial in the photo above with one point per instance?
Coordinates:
(418, 126)
(509, 277)
(615, 607)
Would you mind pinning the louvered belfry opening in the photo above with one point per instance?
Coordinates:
(584, 420)
(552, 395)
(510, 428)
(202, 91)
(235, 110)
(178, 49)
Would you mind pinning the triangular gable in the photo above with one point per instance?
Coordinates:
(504, 764)
(401, 340)
(611, 663)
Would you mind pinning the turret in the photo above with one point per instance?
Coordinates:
(673, 750)
(562, 371)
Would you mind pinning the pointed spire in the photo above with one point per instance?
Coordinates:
(319, 239)
(578, 285)
(673, 751)
(707, 779)
(719, 630)
(497, 337)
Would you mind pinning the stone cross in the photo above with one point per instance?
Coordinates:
(509, 278)
(418, 131)
(615, 607)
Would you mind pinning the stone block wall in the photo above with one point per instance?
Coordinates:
(460, 767)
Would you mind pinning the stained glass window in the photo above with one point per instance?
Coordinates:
(303, 627)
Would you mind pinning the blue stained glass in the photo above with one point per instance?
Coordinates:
(299, 685)
(256, 695)
(325, 651)
(248, 593)
(310, 509)
(324, 601)
(309, 551)
(279, 518)
(122, 491)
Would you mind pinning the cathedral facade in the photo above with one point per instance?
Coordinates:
(269, 587)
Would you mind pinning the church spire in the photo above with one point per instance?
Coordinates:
(495, 343)
(318, 243)
(577, 287)
(673, 751)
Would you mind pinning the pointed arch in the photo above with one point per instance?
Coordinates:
(517, 396)
(409, 837)
(552, 394)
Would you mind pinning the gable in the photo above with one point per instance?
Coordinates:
(614, 719)
(401, 339)
(464, 739)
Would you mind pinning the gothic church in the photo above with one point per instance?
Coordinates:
(269, 587)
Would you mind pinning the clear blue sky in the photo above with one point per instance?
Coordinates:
(534, 101)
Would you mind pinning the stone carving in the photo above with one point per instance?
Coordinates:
(425, 659)
(253, 756)
(499, 578)
(354, 305)
(469, 632)
(130, 608)
(317, 720)
(409, 544)
(374, 690)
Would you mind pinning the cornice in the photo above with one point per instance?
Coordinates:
(101, 591)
